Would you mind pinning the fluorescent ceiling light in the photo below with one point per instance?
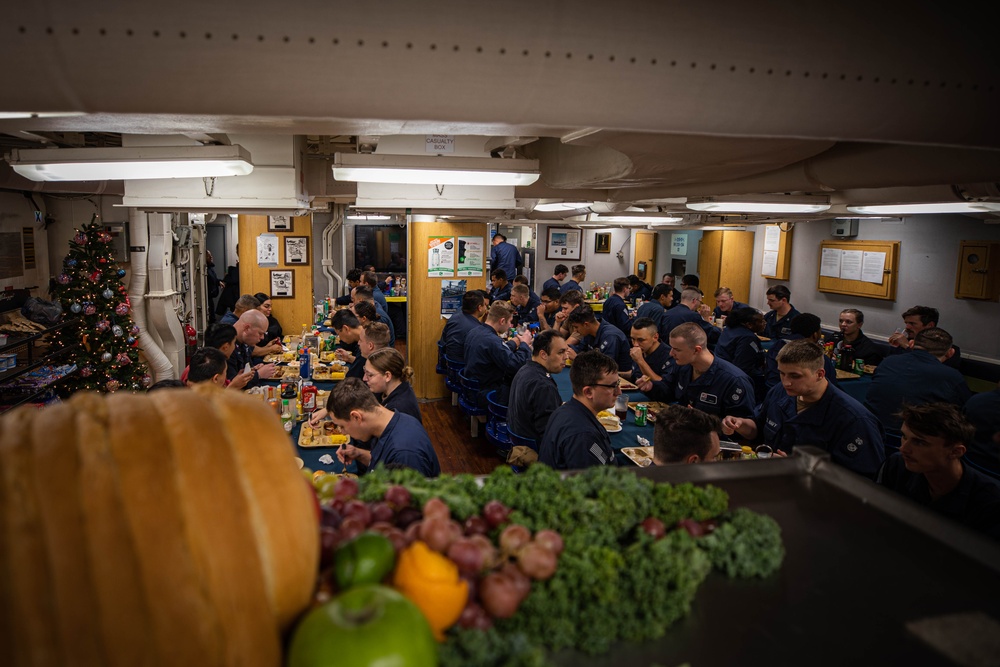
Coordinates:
(369, 217)
(756, 207)
(942, 207)
(562, 206)
(7, 115)
(103, 164)
(433, 170)
(758, 204)
(643, 219)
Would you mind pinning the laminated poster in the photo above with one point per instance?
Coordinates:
(440, 256)
(769, 265)
(873, 267)
(850, 264)
(452, 292)
(830, 265)
(470, 255)
(267, 250)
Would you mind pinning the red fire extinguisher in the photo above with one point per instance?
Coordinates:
(190, 335)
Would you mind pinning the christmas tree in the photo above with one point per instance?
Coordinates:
(106, 339)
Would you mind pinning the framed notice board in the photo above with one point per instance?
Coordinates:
(859, 268)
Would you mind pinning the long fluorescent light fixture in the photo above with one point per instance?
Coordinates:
(758, 205)
(562, 206)
(140, 162)
(433, 170)
(639, 219)
(940, 207)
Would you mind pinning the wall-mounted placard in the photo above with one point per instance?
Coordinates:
(296, 249)
(283, 284)
(563, 243)
(776, 257)
(267, 250)
(441, 256)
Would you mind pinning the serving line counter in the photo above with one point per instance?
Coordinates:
(866, 573)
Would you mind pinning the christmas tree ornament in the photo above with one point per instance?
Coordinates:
(86, 371)
(117, 331)
(103, 326)
(107, 294)
(75, 307)
(95, 276)
(71, 262)
(112, 385)
(102, 260)
(147, 380)
(123, 359)
(80, 238)
(135, 330)
(62, 279)
(106, 357)
(131, 340)
(88, 308)
(104, 237)
(122, 309)
(121, 273)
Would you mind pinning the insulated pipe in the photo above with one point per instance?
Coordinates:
(160, 299)
(159, 365)
(334, 278)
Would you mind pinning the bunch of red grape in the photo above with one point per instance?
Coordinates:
(499, 569)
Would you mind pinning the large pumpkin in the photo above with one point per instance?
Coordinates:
(168, 529)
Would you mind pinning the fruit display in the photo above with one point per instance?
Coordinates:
(163, 529)
(512, 567)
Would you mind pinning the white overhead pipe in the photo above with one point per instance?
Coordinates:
(161, 311)
(160, 366)
(336, 282)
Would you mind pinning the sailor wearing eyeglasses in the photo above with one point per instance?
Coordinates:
(574, 438)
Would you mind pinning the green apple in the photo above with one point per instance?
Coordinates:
(367, 626)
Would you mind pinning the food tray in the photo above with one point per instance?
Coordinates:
(308, 438)
(328, 374)
(654, 408)
(641, 456)
(627, 386)
(846, 375)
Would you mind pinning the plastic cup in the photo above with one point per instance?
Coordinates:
(621, 406)
(763, 452)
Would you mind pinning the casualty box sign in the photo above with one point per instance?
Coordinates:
(439, 143)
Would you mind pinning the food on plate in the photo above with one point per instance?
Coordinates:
(138, 480)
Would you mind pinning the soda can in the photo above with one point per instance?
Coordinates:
(641, 411)
(859, 366)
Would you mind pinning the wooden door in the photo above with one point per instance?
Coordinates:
(977, 273)
(423, 301)
(645, 253)
(710, 263)
(737, 263)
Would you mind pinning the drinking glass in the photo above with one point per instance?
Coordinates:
(621, 406)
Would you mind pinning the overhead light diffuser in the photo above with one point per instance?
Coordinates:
(141, 162)
(433, 170)
(638, 219)
(562, 206)
(777, 204)
(940, 207)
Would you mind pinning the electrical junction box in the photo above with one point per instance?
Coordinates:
(844, 227)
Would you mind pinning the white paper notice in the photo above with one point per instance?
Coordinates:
(772, 239)
(769, 267)
(830, 266)
(872, 267)
(850, 264)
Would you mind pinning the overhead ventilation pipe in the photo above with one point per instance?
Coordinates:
(160, 365)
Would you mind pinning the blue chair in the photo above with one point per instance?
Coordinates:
(468, 400)
(452, 380)
(496, 425)
(442, 363)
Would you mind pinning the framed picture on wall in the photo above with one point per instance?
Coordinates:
(282, 284)
(279, 223)
(296, 250)
(602, 242)
(563, 243)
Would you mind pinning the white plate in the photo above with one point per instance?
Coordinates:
(613, 430)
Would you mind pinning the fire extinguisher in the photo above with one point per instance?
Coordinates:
(190, 335)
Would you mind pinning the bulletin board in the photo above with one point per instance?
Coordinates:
(856, 273)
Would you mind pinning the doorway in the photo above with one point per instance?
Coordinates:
(679, 268)
(644, 260)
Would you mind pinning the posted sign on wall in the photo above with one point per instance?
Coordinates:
(441, 256)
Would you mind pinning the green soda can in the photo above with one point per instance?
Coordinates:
(641, 411)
